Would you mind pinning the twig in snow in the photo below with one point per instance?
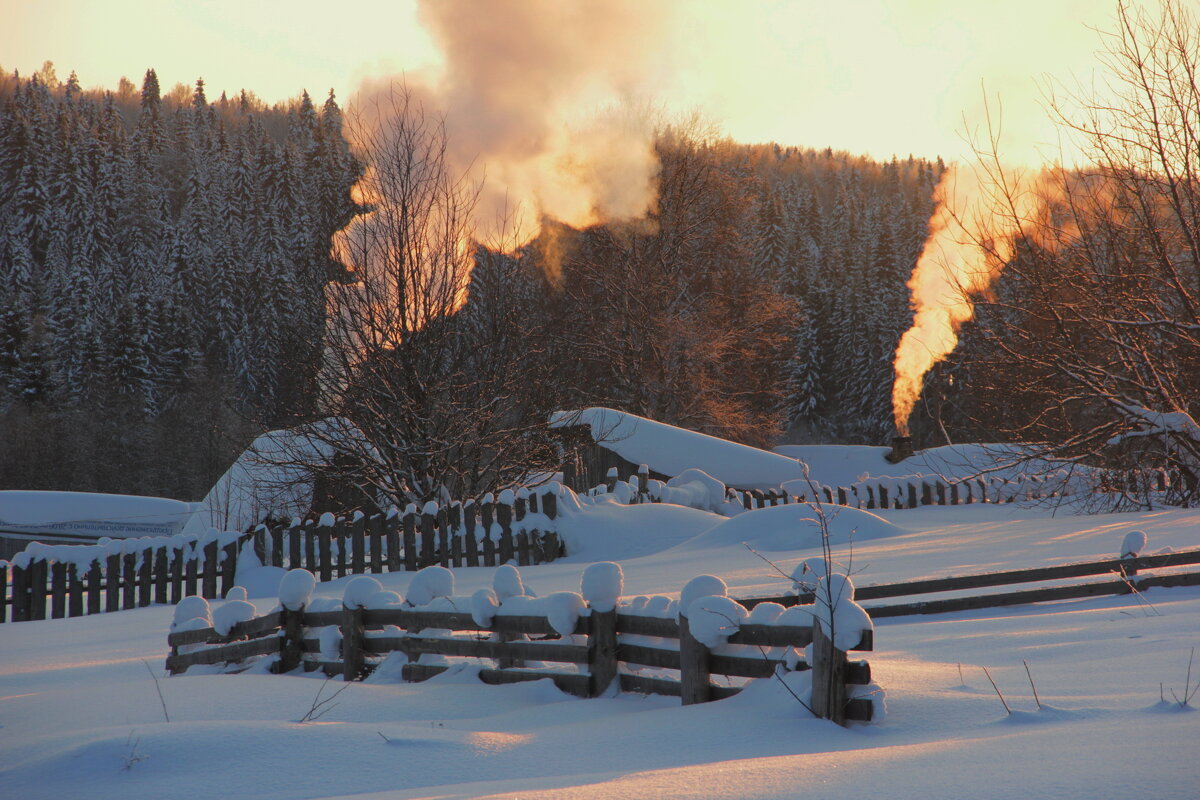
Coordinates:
(961, 681)
(1188, 691)
(157, 688)
(1030, 676)
(321, 707)
(997, 688)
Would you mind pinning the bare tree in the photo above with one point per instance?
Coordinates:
(1092, 338)
(419, 397)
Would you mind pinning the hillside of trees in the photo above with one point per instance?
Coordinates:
(164, 263)
(167, 262)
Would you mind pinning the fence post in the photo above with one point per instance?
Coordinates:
(161, 567)
(338, 535)
(428, 538)
(112, 582)
(74, 592)
(292, 646)
(353, 636)
(324, 552)
(93, 587)
(443, 534)
(129, 580)
(4, 591)
(208, 577)
(295, 534)
(389, 525)
(828, 677)
(229, 566)
(954, 498)
(20, 593)
(693, 667)
(470, 543)
(602, 651)
(504, 514)
(145, 582)
(410, 539)
(358, 544)
(58, 590)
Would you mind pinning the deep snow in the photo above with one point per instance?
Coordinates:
(78, 706)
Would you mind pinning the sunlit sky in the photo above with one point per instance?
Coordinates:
(879, 77)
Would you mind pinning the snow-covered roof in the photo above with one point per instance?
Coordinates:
(671, 450)
(91, 514)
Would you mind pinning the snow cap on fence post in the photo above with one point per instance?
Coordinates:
(296, 588)
(192, 608)
(1134, 543)
(700, 586)
(359, 592)
(602, 584)
(712, 619)
(507, 582)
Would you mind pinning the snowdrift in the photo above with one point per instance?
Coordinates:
(795, 527)
(92, 515)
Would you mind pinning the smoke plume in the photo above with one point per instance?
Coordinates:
(520, 88)
(978, 216)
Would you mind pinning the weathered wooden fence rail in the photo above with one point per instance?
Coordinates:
(1126, 581)
(596, 649)
(74, 580)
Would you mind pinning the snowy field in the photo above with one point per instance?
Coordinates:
(80, 716)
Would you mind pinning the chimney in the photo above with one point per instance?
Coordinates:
(901, 449)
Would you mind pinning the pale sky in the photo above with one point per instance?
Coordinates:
(879, 77)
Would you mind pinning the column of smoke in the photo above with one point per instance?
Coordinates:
(979, 214)
(520, 88)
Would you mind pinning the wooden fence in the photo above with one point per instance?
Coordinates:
(1125, 581)
(69, 582)
(288, 636)
(900, 493)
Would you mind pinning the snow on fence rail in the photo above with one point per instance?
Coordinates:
(74, 580)
(901, 493)
(592, 640)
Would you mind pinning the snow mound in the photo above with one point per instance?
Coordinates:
(602, 583)
(694, 488)
(231, 613)
(189, 608)
(237, 593)
(507, 582)
(796, 527)
(483, 607)
(430, 583)
(607, 531)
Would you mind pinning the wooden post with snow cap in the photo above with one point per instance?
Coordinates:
(828, 677)
(428, 553)
(694, 675)
(324, 549)
(145, 577)
(358, 544)
(443, 537)
(610, 479)
(470, 542)
(161, 575)
(58, 590)
(129, 577)
(391, 532)
(20, 592)
(112, 582)
(229, 566)
(504, 515)
(353, 641)
(93, 587)
(74, 592)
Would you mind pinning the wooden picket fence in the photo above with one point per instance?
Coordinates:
(288, 636)
(484, 533)
(898, 493)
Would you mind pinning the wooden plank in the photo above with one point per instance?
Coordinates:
(572, 684)
(646, 685)
(693, 667)
(453, 523)
(341, 547)
(645, 656)
(319, 619)
(647, 626)
(161, 575)
(129, 580)
(742, 666)
(601, 651)
(250, 629)
(74, 592)
(224, 654)
(177, 557)
(457, 621)
(999, 600)
(358, 545)
(828, 678)
(295, 538)
(410, 542)
(112, 588)
(229, 566)
(524, 552)
(772, 635)
(470, 542)
(478, 648)
(391, 527)
(859, 709)
(21, 597)
(277, 537)
(443, 538)
(324, 553)
(145, 578)
(352, 644)
(94, 578)
(504, 514)
(1008, 577)
(58, 590)
(309, 533)
(375, 534)
(208, 579)
(428, 540)
(3, 592)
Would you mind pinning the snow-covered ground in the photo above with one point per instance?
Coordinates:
(80, 716)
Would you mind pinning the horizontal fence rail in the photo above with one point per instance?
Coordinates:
(1126, 582)
(604, 647)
